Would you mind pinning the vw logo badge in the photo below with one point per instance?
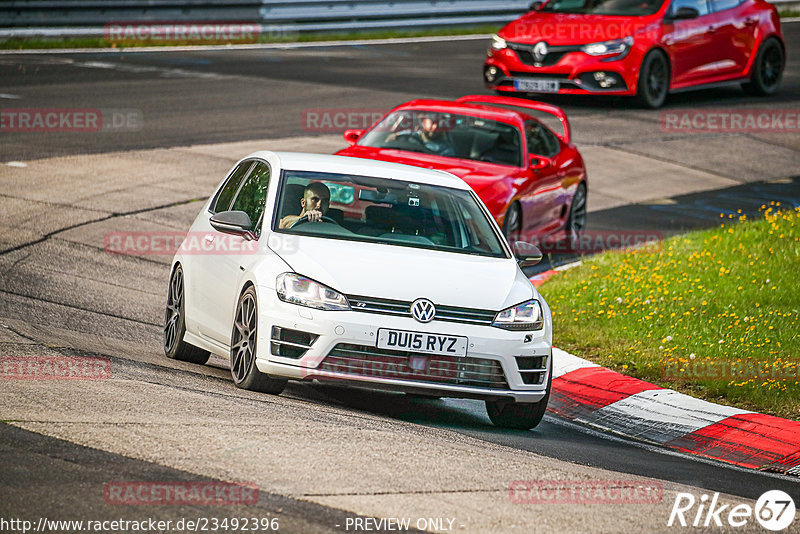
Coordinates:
(540, 51)
(423, 310)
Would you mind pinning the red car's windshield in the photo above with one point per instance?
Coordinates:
(447, 134)
(625, 8)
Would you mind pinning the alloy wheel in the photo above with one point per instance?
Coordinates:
(174, 311)
(243, 349)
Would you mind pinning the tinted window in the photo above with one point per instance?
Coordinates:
(721, 5)
(393, 212)
(447, 134)
(541, 141)
(253, 194)
(228, 191)
(700, 5)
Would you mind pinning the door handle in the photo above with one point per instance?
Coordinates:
(209, 238)
(711, 29)
(749, 21)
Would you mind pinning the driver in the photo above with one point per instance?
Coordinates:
(314, 204)
(431, 134)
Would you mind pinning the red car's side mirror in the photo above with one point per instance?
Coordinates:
(540, 162)
(351, 136)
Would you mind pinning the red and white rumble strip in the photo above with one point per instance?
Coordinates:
(591, 394)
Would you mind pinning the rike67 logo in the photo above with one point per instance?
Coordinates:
(774, 510)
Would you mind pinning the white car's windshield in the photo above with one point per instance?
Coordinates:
(361, 208)
(447, 134)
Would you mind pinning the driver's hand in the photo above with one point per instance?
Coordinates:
(314, 216)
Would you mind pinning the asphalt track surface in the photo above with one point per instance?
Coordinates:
(198, 97)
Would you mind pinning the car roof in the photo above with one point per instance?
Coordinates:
(301, 161)
(448, 106)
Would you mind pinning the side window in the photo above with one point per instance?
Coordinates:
(721, 5)
(253, 194)
(228, 191)
(700, 5)
(541, 141)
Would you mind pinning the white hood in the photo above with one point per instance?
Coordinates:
(405, 273)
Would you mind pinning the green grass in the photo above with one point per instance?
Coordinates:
(99, 42)
(674, 313)
(789, 14)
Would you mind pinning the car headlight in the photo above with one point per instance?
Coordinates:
(498, 43)
(303, 291)
(525, 316)
(617, 47)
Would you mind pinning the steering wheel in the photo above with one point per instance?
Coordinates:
(303, 220)
(411, 139)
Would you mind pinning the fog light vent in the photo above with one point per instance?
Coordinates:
(532, 369)
(290, 343)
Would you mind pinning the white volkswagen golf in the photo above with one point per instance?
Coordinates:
(380, 275)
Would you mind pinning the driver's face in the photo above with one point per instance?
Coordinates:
(314, 201)
(430, 126)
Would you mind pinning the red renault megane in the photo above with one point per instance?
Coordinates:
(646, 48)
(532, 179)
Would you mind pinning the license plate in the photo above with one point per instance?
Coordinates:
(424, 342)
(537, 86)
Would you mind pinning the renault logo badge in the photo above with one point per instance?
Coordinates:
(540, 51)
(423, 310)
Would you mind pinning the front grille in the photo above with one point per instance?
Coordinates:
(540, 75)
(363, 360)
(290, 343)
(554, 54)
(402, 308)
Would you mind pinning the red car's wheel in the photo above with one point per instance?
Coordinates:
(653, 83)
(767, 69)
(512, 224)
(576, 220)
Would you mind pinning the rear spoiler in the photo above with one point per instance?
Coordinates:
(521, 103)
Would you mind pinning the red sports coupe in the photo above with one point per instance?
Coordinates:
(532, 180)
(646, 48)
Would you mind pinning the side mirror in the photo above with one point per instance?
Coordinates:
(535, 5)
(234, 223)
(351, 136)
(685, 13)
(527, 254)
(540, 162)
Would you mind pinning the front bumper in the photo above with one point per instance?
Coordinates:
(574, 71)
(331, 330)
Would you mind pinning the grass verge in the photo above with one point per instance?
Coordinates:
(99, 42)
(714, 314)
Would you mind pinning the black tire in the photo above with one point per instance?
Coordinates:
(512, 223)
(520, 416)
(243, 348)
(654, 80)
(576, 218)
(175, 324)
(767, 69)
